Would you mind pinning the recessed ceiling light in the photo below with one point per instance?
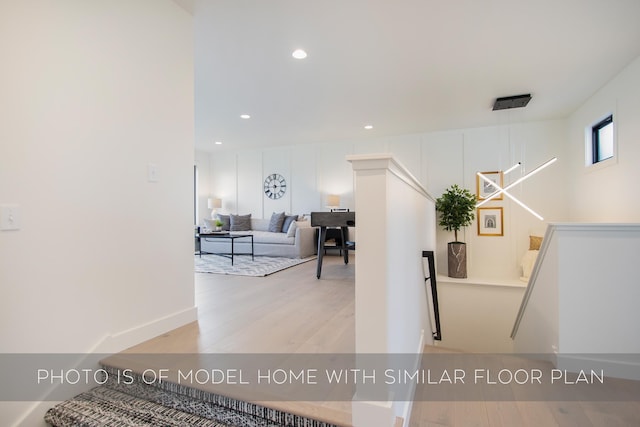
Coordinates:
(368, 127)
(245, 116)
(299, 54)
(218, 142)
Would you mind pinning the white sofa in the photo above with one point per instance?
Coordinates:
(266, 243)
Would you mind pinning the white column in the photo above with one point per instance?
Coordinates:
(395, 222)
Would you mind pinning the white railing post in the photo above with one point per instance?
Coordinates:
(395, 222)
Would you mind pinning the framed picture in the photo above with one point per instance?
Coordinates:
(490, 222)
(484, 189)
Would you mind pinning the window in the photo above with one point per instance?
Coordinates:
(602, 140)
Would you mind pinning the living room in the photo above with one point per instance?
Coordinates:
(97, 158)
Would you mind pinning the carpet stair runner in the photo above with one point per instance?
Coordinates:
(165, 404)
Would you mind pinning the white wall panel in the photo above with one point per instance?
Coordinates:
(485, 149)
(442, 166)
(249, 179)
(305, 197)
(224, 182)
(408, 151)
(442, 161)
(335, 174)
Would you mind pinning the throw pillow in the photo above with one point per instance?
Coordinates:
(275, 225)
(291, 232)
(534, 243)
(226, 222)
(288, 219)
(240, 222)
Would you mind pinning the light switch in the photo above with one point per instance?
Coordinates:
(152, 172)
(9, 217)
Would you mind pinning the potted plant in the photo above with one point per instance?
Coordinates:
(456, 207)
(218, 224)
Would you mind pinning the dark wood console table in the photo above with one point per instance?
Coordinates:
(341, 220)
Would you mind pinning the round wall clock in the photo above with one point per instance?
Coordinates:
(275, 186)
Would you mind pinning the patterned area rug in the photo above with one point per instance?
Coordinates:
(103, 406)
(164, 404)
(244, 266)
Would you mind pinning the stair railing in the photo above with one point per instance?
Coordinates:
(432, 295)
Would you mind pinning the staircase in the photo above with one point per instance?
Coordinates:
(165, 404)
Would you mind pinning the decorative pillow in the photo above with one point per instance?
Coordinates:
(291, 232)
(534, 243)
(240, 222)
(275, 225)
(226, 222)
(288, 219)
(528, 260)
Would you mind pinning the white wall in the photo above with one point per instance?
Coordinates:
(583, 303)
(224, 180)
(438, 160)
(93, 92)
(539, 329)
(203, 163)
(608, 194)
(573, 300)
(478, 317)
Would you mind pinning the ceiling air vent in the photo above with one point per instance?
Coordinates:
(507, 102)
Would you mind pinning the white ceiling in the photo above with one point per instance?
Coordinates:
(404, 66)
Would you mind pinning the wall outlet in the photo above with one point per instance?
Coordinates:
(9, 217)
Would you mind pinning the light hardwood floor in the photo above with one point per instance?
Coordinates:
(525, 412)
(293, 312)
(287, 312)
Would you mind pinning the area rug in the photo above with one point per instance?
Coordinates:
(136, 402)
(244, 266)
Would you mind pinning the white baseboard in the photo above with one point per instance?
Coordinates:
(130, 337)
(626, 366)
(33, 415)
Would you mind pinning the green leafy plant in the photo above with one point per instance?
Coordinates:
(219, 223)
(457, 209)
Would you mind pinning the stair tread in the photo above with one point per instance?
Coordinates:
(440, 349)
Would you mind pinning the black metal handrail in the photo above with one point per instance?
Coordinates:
(432, 294)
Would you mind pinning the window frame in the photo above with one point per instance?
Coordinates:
(595, 139)
(589, 165)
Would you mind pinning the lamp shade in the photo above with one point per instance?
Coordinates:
(333, 200)
(214, 203)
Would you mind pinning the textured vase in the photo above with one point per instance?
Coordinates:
(457, 257)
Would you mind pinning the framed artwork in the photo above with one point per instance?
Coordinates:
(484, 189)
(490, 222)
